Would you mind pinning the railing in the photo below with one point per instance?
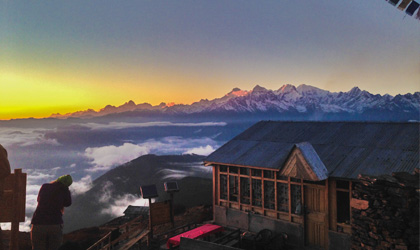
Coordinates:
(178, 230)
(232, 236)
(130, 231)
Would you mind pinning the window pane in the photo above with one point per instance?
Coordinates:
(296, 199)
(233, 170)
(223, 168)
(282, 197)
(294, 180)
(269, 194)
(268, 174)
(245, 194)
(256, 172)
(256, 193)
(343, 207)
(244, 171)
(223, 187)
(282, 177)
(233, 188)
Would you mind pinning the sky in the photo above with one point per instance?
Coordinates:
(60, 57)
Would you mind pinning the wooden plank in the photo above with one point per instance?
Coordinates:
(160, 212)
(134, 240)
(326, 222)
(290, 199)
(13, 202)
(214, 187)
(237, 165)
(333, 205)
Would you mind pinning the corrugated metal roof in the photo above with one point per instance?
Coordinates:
(347, 149)
(313, 160)
(136, 210)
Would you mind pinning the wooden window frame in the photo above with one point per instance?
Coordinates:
(273, 177)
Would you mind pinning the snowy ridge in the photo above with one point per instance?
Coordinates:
(288, 98)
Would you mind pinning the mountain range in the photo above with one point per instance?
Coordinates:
(302, 102)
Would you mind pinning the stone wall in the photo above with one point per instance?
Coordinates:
(385, 212)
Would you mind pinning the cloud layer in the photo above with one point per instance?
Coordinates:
(104, 158)
(25, 136)
(124, 125)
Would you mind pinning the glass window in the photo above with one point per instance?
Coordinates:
(233, 188)
(343, 207)
(245, 193)
(256, 172)
(296, 199)
(256, 193)
(244, 171)
(223, 186)
(233, 170)
(269, 195)
(283, 197)
(282, 177)
(223, 168)
(294, 180)
(268, 174)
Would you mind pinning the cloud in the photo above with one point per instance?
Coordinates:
(189, 169)
(116, 205)
(120, 204)
(173, 174)
(177, 145)
(124, 125)
(25, 137)
(23, 227)
(201, 150)
(103, 158)
(81, 186)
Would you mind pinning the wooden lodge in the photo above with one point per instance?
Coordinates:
(298, 177)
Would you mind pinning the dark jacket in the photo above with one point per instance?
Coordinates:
(4, 163)
(52, 199)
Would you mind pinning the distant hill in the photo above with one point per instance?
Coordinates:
(304, 102)
(114, 190)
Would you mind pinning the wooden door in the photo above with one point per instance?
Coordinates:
(315, 216)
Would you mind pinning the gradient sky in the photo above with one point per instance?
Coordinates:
(64, 56)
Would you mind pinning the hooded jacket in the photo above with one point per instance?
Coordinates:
(52, 198)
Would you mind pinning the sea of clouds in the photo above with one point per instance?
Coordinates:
(52, 156)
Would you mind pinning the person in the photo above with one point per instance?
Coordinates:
(4, 172)
(4, 164)
(47, 221)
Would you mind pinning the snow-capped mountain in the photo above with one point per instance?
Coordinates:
(288, 99)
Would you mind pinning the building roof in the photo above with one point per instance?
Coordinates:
(346, 149)
(136, 210)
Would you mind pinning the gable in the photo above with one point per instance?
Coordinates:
(304, 163)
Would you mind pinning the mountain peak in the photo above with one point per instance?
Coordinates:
(287, 88)
(355, 90)
(129, 103)
(258, 88)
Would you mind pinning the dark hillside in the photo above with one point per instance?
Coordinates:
(121, 185)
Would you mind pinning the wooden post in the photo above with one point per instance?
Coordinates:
(172, 210)
(149, 240)
(19, 192)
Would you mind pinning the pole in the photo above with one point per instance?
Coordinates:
(149, 241)
(14, 234)
(172, 210)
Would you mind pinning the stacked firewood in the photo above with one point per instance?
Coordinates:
(385, 212)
